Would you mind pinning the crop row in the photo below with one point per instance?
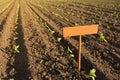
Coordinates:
(57, 36)
(99, 15)
(2, 2)
(16, 38)
(5, 8)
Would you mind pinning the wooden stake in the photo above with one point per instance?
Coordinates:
(79, 31)
(79, 54)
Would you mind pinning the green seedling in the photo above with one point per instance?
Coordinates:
(82, 17)
(15, 38)
(16, 49)
(51, 31)
(16, 33)
(41, 20)
(108, 27)
(72, 55)
(100, 24)
(66, 19)
(56, 14)
(16, 27)
(93, 21)
(70, 52)
(12, 79)
(78, 16)
(92, 74)
(76, 24)
(102, 37)
(59, 39)
(60, 16)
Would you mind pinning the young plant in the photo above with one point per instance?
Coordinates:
(16, 33)
(92, 74)
(15, 38)
(12, 79)
(66, 19)
(100, 24)
(76, 24)
(102, 37)
(16, 49)
(93, 21)
(108, 27)
(70, 52)
(51, 31)
(59, 39)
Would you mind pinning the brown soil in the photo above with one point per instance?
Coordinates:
(41, 56)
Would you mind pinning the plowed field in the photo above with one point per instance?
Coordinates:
(32, 46)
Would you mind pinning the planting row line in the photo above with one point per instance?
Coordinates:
(4, 16)
(3, 2)
(6, 46)
(111, 18)
(6, 7)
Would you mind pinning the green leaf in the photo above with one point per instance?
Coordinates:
(69, 51)
(76, 24)
(66, 19)
(59, 39)
(102, 37)
(92, 72)
(52, 32)
(16, 49)
(12, 79)
(15, 38)
(16, 33)
(108, 27)
(72, 55)
(93, 78)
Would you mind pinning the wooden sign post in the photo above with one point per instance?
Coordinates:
(79, 31)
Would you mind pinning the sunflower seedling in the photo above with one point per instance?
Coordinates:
(59, 39)
(92, 74)
(16, 49)
(102, 37)
(66, 19)
(70, 52)
(76, 24)
(108, 27)
(15, 38)
(12, 79)
(51, 31)
(16, 33)
(93, 21)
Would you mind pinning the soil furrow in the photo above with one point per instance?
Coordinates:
(6, 68)
(4, 16)
(21, 58)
